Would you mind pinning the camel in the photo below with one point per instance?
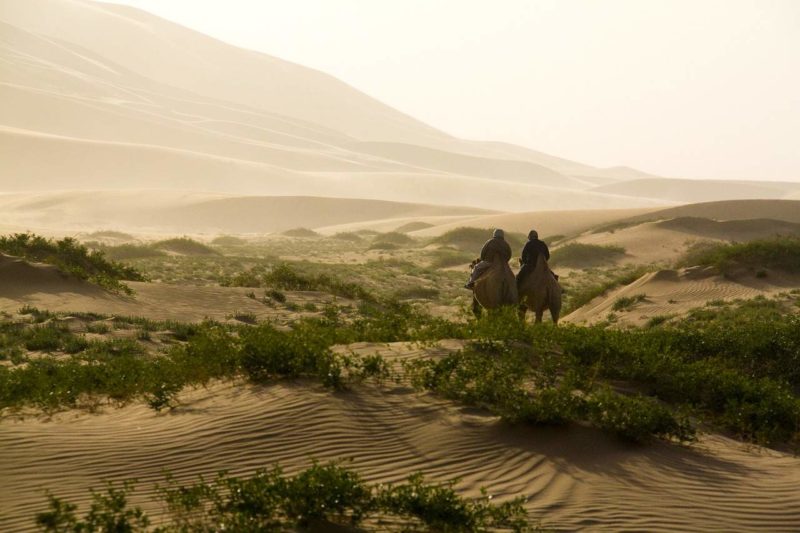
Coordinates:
(495, 288)
(540, 291)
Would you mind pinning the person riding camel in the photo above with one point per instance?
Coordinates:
(494, 247)
(530, 255)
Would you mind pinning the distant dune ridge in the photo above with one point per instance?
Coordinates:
(101, 96)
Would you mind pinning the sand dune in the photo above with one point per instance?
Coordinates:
(675, 292)
(21, 282)
(787, 210)
(112, 97)
(662, 236)
(181, 212)
(574, 479)
(45, 287)
(732, 230)
(547, 223)
(683, 190)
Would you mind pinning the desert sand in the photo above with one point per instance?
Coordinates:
(115, 119)
(575, 479)
(673, 293)
(111, 97)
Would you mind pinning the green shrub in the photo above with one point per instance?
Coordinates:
(276, 295)
(321, 497)
(582, 255)
(635, 418)
(110, 234)
(184, 246)
(228, 240)
(445, 258)
(301, 232)
(380, 245)
(286, 277)
(423, 293)
(626, 303)
(472, 239)
(781, 253)
(506, 383)
(580, 297)
(125, 252)
(109, 512)
(347, 236)
(413, 226)
(394, 237)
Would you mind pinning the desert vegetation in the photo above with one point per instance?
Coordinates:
(779, 253)
(301, 232)
(321, 496)
(738, 378)
(71, 257)
(471, 239)
(184, 246)
(580, 255)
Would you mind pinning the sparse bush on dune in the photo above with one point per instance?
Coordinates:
(111, 234)
(395, 237)
(300, 232)
(582, 255)
(553, 239)
(321, 497)
(472, 239)
(286, 277)
(228, 240)
(626, 303)
(448, 257)
(423, 293)
(578, 297)
(735, 367)
(126, 252)
(72, 257)
(546, 392)
(780, 253)
(347, 236)
(381, 245)
(184, 246)
(413, 226)
(618, 225)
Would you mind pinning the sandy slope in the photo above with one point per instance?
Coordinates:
(681, 190)
(675, 292)
(674, 230)
(112, 97)
(107, 96)
(646, 243)
(575, 479)
(45, 287)
(786, 209)
(155, 211)
(547, 223)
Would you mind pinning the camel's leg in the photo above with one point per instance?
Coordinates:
(554, 312)
(523, 310)
(555, 307)
(476, 307)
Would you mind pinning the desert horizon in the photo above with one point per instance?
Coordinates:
(439, 266)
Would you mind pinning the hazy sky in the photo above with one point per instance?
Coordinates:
(689, 88)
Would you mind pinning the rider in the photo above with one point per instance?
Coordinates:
(494, 247)
(530, 255)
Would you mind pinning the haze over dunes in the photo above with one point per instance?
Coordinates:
(212, 258)
(102, 96)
